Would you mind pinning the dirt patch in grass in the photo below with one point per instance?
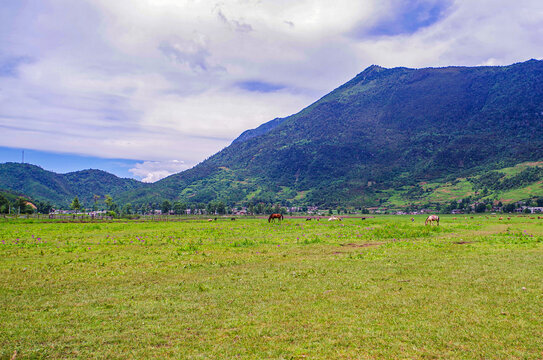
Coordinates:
(361, 245)
(353, 245)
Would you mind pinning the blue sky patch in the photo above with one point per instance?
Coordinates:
(64, 163)
(9, 65)
(259, 86)
(410, 16)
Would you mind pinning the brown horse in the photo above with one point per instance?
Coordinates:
(430, 219)
(275, 216)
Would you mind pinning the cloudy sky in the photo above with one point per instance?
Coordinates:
(146, 88)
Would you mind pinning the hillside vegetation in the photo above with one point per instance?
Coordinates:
(385, 130)
(60, 189)
(389, 137)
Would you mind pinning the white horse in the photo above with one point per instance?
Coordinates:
(430, 219)
(334, 218)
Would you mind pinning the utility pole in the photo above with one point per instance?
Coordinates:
(23, 156)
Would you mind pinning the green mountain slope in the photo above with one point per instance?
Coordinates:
(385, 129)
(60, 189)
(389, 137)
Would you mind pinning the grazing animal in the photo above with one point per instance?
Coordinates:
(430, 219)
(209, 219)
(275, 216)
(334, 218)
(308, 219)
(233, 219)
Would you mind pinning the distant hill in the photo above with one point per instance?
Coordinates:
(12, 196)
(385, 130)
(389, 137)
(60, 189)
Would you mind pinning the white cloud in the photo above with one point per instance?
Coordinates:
(493, 32)
(156, 80)
(151, 171)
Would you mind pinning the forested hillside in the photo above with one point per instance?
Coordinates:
(385, 129)
(389, 137)
(60, 189)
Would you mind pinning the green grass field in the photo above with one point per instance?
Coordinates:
(380, 288)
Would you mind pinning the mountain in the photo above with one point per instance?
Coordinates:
(383, 131)
(60, 189)
(262, 129)
(389, 137)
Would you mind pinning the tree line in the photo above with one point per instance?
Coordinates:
(20, 205)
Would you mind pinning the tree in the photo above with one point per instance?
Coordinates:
(75, 205)
(4, 205)
(109, 202)
(127, 209)
(95, 198)
(211, 208)
(201, 206)
(146, 209)
(221, 208)
(44, 207)
(480, 207)
(179, 208)
(166, 207)
(22, 205)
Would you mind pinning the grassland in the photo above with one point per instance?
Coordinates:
(380, 288)
(460, 188)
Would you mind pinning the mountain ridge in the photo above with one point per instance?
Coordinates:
(471, 97)
(60, 189)
(368, 141)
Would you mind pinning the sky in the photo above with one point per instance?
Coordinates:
(148, 88)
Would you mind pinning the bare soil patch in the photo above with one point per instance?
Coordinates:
(361, 245)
